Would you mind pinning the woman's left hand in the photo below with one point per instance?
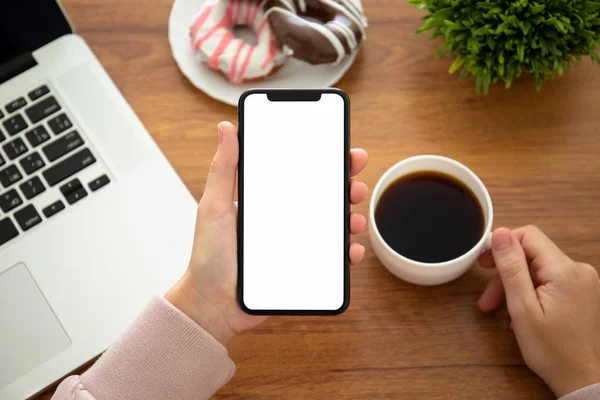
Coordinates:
(207, 291)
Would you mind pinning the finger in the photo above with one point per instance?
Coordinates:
(486, 259)
(541, 252)
(357, 252)
(492, 296)
(357, 223)
(358, 191)
(358, 161)
(220, 184)
(512, 266)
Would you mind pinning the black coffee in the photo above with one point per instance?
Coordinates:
(429, 217)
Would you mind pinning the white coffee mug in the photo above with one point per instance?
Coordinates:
(430, 273)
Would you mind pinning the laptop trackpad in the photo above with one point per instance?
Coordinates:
(30, 334)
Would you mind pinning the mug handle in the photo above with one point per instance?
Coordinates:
(488, 242)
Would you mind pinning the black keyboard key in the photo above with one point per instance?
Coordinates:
(28, 217)
(2, 160)
(10, 175)
(37, 135)
(14, 124)
(1, 114)
(77, 195)
(68, 167)
(62, 146)
(8, 231)
(32, 187)
(32, 163)
(59, 123)
(16, 104)
(41, 110)
(53, 208)
(10, 200)
(98, 183)
(2, 137)
(15, 148)
(70, 187)
(38, 92)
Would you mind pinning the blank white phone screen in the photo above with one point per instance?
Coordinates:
(293, 193)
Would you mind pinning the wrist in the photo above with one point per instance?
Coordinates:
(574, 381)
(185, 297)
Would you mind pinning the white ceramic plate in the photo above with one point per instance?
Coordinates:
(294, 73)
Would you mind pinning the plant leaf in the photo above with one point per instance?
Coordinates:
(456, 64)
(536, 8)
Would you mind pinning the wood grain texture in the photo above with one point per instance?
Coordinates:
(536, 152)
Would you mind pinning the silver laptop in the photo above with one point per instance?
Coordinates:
(93, 219)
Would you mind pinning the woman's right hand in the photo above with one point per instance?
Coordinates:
(554, 305)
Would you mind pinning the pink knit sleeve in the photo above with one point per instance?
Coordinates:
(591, 392)
(163, 355)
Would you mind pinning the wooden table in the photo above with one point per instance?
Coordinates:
(538, 153)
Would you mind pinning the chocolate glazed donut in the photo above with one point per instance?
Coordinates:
(317, 31)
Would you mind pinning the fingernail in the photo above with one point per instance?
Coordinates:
(220, 133)
(501, 240)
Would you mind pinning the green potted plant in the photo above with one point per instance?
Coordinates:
(499, 40)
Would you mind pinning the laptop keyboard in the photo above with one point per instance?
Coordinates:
(42, 154)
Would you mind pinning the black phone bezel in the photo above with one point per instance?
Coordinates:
(294, 95)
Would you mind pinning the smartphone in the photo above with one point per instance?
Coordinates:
(293, 202)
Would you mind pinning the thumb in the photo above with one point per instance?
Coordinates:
(509, 257)
(220, 184)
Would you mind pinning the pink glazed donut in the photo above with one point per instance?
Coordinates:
(217, 48)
